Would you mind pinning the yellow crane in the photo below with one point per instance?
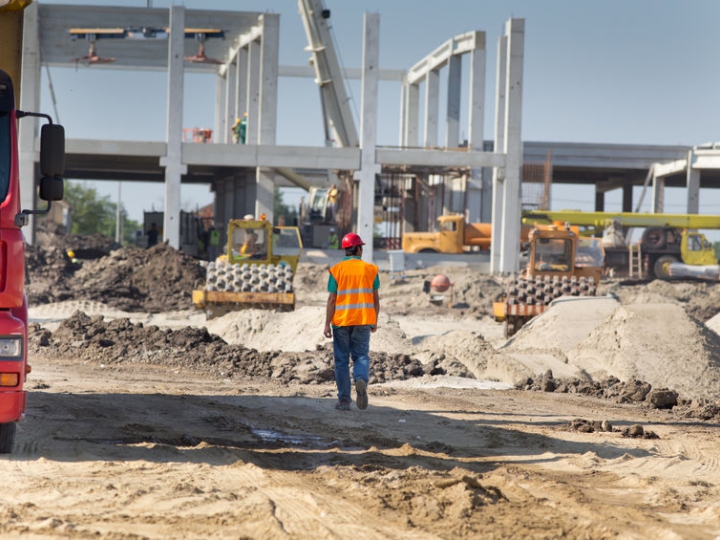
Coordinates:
(670, 246)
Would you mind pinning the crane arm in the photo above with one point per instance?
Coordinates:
(625, 219)
(334, 97)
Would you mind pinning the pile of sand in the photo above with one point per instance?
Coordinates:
(599, 338)
(657, 343)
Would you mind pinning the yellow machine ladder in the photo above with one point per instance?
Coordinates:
(636, 268)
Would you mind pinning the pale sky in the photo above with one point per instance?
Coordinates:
(639, 72)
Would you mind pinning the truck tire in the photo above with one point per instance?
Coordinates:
(654, 238)
(662, 266)
(7, 437)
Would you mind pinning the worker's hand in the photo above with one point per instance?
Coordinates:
(327, 332)
(373, 329)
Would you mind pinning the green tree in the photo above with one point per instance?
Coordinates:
(93, 214)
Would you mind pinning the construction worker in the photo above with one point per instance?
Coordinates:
(236, 130)
(152, 235)
(333, 196)
(214, 240)
(333, 240)
(350, 317)
(239, 129)
(243, 128)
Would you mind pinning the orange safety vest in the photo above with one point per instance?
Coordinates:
(355, 304)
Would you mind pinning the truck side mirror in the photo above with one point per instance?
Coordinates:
(52, 188)
(52, 151)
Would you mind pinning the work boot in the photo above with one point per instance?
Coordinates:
(344, 405)
(362, 397)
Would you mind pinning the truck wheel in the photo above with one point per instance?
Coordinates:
(7, 437)
(654, 238)
(509, 328)
(662, 266)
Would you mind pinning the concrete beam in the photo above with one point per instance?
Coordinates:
(438, 158)
(243, 41)
(437, 59)
(251, 155)
(668, 169)
(307, 72)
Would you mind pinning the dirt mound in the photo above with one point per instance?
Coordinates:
(658, 343)
(699, 299)
(93, 340)
(131, 279)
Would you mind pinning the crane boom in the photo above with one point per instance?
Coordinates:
(625, 219)
(329, 76)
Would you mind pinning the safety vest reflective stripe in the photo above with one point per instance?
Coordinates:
(355, 291)
(356, 306)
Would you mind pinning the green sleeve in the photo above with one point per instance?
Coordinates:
(332, 285)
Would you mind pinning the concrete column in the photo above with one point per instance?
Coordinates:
(510, 254)
(432, 102)
(479, 195)
(452, 121)
(228, 200)
(413, 115)
(241, 82)
(498, 177)
(29, 99)
(368, 131)
(658, 195)
(253, 92)
(693, 185)
(267, 109)
(221, 126)
(403, 111)
(219, 218)
(174, 168)
(230, 103)
(627, 198)
(239, 195)
(599, 201)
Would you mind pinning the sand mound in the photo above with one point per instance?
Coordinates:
(657, 343)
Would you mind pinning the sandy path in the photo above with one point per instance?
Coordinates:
(141, 453)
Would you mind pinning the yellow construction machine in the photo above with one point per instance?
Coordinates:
(559, 264)
(454, 235)
(256, 271)
(670, 246)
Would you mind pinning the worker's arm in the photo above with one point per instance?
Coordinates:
(376, 305)
(329, 312)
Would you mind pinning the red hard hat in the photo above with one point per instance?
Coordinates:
(350, 240)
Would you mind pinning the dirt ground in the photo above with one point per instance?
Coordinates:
(599, 419)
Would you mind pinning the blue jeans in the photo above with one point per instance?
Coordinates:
(350, 341)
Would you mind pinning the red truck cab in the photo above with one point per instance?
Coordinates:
(13, 301)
